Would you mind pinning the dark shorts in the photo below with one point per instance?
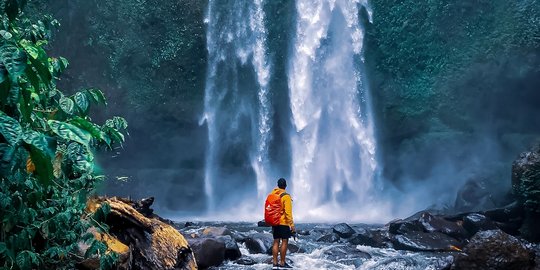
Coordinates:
(281, 232)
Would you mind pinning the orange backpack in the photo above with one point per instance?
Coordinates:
(273, 209)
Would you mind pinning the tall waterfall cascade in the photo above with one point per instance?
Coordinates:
(331, 141)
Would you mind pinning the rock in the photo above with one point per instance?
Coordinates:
(215, 231)
(260, 243)
(495, 250)
(343, 230)
(405, 226)
(189, 224)
(346, 255)
(113, 245)
(477, 222)
(245, 260)
(370, 238)
(421, 241)
(232, 251)
(329, 238)
(294, 248)
(153, 243)
(262, 223)
(208, 251)
(303, 232)
(526, 188)
(437, 224)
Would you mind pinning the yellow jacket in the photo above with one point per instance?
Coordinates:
(286, 203)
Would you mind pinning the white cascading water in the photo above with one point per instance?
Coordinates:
(236, 34)
(333, 145)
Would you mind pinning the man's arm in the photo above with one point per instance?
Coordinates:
(287, 203)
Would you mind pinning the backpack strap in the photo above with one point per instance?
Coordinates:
(283, 194)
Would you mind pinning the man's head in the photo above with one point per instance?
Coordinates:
(282, 183)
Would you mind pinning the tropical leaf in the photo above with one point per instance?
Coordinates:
(59, 65)
(10, 129)
(14, 59)
(90, 127)
(117, 122)
(43, 165)
(81, 100)
(38, 140)
(97, 96)
(70, 132)
(67, 105)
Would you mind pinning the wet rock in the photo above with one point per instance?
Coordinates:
(344, 252)
(245, 260)
(215, 231)
(208, 251)
(294, 248)
(421, 241)
(365, 237)
(190, 224)
(239, 237)
(262, 223)
(526, 187)
(343, 230)
(477, 222)
(232, 251)
(259, 243)
(495, 250)
(405, 226)
(329, 238)
(437, 224)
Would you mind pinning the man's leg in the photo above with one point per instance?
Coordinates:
(275, 249)
(284, 243)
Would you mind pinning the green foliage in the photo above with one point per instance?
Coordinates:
(155, 49)
(47, 141)
(426, 56)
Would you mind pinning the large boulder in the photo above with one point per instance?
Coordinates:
(477, 222)
(405, 226)
(259, 243)
(495, 250)
(438, 224)
(526, 187)
(421, 241)
(329, 238)
(153, 243)
(373, 238)
(343, 230)
(208, 251)
(232, 251)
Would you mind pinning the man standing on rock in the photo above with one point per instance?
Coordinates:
(285, 229)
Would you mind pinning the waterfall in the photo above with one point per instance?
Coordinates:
(333, 145)
(237, 110)
(331, 134)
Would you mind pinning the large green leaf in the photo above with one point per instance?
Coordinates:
(67, 105)
(82, 101)
(10, 129)
(97, 96)
(59, 65)
(4, 92)
(69, 132)
(43, 164)
(14, 59)
(38, 140)
(92, 128)
(3, 73)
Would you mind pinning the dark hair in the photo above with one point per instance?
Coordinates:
(282, 183)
